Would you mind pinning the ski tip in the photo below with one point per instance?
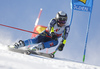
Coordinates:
(10, 46)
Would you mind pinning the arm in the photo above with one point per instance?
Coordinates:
(51, 25)
(65, 35)
(51, 29)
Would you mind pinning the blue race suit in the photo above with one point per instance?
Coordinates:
(45, 36)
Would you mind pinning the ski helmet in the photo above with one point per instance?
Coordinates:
(61, 17)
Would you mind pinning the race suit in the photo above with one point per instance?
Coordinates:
(45, 36)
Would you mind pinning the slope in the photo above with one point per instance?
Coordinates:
(12, 60)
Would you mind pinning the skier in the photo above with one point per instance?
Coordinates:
(49, 38)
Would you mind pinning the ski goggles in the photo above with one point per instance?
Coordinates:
(62, 22)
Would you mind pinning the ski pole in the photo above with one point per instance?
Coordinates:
(22, 30)
(17, 28)
(52, 55)
(55, 50)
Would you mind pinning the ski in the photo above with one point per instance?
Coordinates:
(28, 52)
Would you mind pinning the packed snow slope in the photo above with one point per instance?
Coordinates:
(13, 60)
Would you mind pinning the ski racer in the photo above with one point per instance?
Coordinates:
(49, 38)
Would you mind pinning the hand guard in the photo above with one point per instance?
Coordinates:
(61, 46)
(53, 35)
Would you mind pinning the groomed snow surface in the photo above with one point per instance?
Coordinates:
(12, 60)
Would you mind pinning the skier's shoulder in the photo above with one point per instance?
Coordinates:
(53, 20)
(66, 25)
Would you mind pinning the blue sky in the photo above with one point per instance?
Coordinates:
(23, 13)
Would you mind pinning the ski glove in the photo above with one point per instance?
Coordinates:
(53, 36)
(61, 46)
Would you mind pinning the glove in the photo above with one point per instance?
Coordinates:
(53, 36)
(61, 46)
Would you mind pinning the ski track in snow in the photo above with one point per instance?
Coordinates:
(12, 60)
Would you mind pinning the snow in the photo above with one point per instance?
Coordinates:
(13, 60)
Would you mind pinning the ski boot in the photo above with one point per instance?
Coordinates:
(18, 45)
(40, 46)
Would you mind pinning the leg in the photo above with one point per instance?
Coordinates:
(44, 45)
(30, 41)
(49, 44)
(38, 39)
(35, 40)
(21, 43)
